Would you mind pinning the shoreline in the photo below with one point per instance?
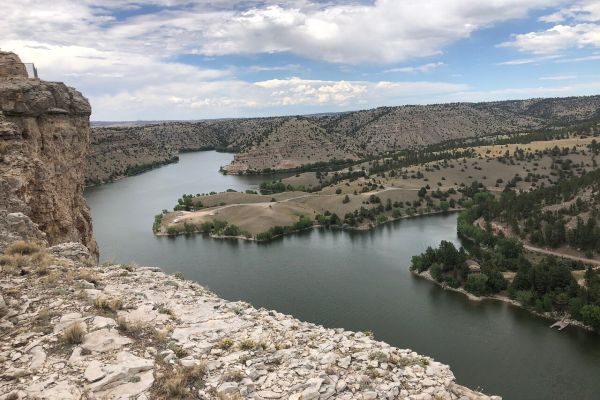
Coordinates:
(548, 316)
(364, 228)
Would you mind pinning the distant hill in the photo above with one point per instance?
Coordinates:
(291, 141)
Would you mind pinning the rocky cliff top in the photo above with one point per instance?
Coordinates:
(44, 140)
(11, 66)
(71, 330)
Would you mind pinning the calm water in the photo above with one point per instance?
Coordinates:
(358, 281)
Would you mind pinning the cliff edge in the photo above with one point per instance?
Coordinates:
(44, 141)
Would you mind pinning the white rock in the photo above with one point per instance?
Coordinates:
(104, 340)
(63, 390)
(344, 362)
(370, 395)
(94, 371)
(38, 358)
(310, 394)
(67, 320)
(269, 394)
(127, 366)
(130, 390)
(227, 388)
(100, 322)
(328, 358)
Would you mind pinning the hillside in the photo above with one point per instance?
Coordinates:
(375, 192)
(290, 142)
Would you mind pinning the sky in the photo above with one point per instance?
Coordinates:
(189, 60)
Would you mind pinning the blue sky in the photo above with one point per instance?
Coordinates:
(181, 59)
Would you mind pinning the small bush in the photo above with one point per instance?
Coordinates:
(73, 334)
(225, 343)
(108, 304)
(176, 383)
(23, 247)
(247, 344)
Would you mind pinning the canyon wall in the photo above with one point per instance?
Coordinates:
(280, 143)
(44, 141)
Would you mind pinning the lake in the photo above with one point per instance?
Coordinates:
(354, 280)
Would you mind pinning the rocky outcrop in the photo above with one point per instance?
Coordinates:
(71, 331)
(44, 140)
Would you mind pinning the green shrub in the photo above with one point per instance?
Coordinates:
(477, 284)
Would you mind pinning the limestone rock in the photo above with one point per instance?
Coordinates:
(68, 320)
(94, 371)
(42, 170)
(104, 340)
(72, 251)
(38, 358)
(127, 366)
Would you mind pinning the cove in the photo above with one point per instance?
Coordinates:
(354, 280)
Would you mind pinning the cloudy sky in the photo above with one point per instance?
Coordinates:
(179, 59)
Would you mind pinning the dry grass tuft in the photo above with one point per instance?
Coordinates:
(14, 261)
(88, 262)
(73, 334)
(23, 247)
(234, 375)
(88, 275)
(133, 328)
(179, 351)
(177, 382)
(225, 343)
(229, 396)
(108, 304)
(4, 148)
(247, 344)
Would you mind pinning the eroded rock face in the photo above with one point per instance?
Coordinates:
(11, 66)
(44, 140)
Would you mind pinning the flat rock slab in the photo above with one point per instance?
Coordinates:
(94, 371)
(129, 390)
(63, 390)
(100, 322)
(200, 329)
(104, 340)
(67, 320)
(128, 365)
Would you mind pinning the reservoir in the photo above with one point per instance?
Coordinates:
(354, 280)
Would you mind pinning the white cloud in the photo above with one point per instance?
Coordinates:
(342, 31)
(523, 61)
(558, 78)
(263, 68)
(580, 59)
(583, 10)
(419, 68)
(556, 39)
(383, 32)
(579, 89)
(125, 64)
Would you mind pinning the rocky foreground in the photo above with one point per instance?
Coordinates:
(70, 330)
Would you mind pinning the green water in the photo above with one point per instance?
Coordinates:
(358, 281)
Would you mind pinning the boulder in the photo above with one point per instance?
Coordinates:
(104, 340)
